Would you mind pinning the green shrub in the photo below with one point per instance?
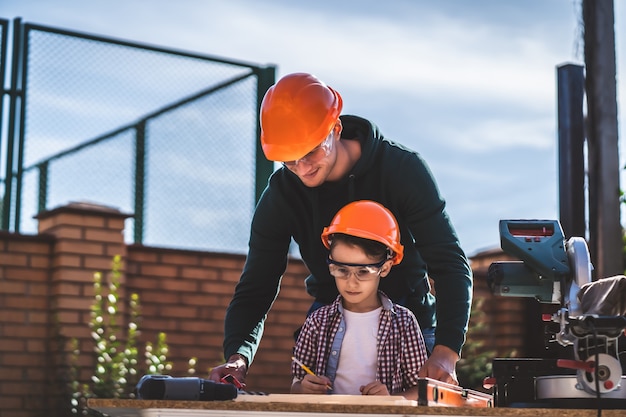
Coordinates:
(116, 370)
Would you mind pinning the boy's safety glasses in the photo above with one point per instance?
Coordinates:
(362, 272)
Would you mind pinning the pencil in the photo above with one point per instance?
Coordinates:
(306, 369)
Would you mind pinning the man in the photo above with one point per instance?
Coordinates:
(328, 161)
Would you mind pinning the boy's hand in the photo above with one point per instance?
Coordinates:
(374, 388)
(315, 385)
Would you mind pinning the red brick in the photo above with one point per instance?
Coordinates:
(26, 274)
(38, 317)
(39, 261)
(80, 330)
(98, 263)
(12, 287)
(115, 223)
(104, 235)
(224, 288)
(73, 303)
(68, 316)
(180, 285)
(181, 311)
(76, 275)
(40, 303)
(69, 232)
(67, 260)
(112, 250)
(36, 346)
(15, 388)
(142, 256)
(159, 298)
(35, 374)
(12, 405)
(67, 288)
(142, 282)
(28, 247)
(224, 263)
(179, 258)
(203, 273)
(79, 247)
(13, 259)
(198, 299)
(13, 345)
(229, 275)
(159, 270)
(21, 359)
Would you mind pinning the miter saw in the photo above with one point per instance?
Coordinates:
(557, 271)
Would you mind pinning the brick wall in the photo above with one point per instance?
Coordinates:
(185, 295)
(46, 291)
(24, 324)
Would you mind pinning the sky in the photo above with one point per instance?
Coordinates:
(470, 85)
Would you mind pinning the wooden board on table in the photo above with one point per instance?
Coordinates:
(326, 399)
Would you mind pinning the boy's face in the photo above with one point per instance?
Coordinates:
(358, 285)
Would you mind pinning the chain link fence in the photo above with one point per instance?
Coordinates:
(169, 136)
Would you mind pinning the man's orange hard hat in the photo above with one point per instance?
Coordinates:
(297, 114)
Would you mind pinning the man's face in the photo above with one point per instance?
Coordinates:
(314, 168)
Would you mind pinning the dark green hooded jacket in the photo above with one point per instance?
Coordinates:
(386, 172)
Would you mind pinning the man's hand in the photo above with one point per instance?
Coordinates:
(236, 366)
(441, 365)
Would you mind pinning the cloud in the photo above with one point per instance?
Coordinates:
(471, 85)
(492, 134)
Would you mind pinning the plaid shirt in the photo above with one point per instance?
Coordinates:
(401, 349)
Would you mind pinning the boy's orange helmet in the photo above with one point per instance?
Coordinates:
(297, 114)
(369, 220)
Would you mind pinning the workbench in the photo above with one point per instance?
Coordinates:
(293, 405)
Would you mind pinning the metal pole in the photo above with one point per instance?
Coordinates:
(43, 187)
(266, 78)
(22, 128)
(605, 231)
(16, 92)
(571, 140)
(140, 180)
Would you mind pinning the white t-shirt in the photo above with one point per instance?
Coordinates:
(358, 357)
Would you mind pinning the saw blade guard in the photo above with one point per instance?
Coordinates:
(581, 269)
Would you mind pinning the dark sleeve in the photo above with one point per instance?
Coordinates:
(259, 283)
(436, 240)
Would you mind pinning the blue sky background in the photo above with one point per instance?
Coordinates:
(471, 85)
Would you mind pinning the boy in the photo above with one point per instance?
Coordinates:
(362, 343)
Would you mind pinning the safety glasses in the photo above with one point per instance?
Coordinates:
(318, 153)
(362, 272)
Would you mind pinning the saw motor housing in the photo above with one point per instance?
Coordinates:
(550, 269)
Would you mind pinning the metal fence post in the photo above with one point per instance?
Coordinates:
(43, 186)
(140, 172)
(15, 92)
(266, 78)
